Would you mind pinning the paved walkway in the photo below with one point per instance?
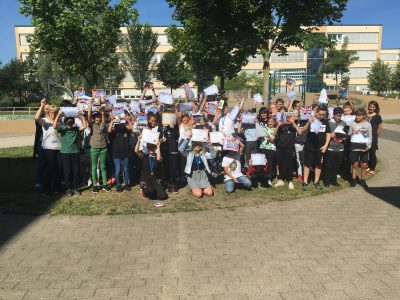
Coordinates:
(344, 245)
(16, 140)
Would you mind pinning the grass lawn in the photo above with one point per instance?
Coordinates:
(18, 196)
(395, 121)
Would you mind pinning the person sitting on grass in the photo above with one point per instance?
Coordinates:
(150, 182)
(70, 150)
(197, 167)
(258, 174)
(233, 169)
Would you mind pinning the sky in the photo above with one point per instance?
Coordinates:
(157, 12)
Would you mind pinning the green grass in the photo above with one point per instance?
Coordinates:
(18, 196)
(394, 121)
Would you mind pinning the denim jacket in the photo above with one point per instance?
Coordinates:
(184, 150)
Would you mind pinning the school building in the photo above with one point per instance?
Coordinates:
(365, 39)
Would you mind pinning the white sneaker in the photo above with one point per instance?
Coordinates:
(291, 185)
(89, 182)
(279, 183)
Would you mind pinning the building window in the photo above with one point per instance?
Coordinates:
(359, 72)
(256, 59)
(163, 40)
(356, 37)
(337, 37)
(24, 56)
(293, 56)
(389, 56)
(366, 55)
(23, 40)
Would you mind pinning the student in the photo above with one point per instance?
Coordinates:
(249, 132)
(280, 104)
(225, 120)
(258, 174)
(150, 183)
(120, 147)
(376, 123)
(51, 144)
(263, 117)
(285, 135)
(233, 171)
(360, 132)
(317, 141)
(197, 167)
(98, 147)
(268, 148)
(70, 151)
(335, 153)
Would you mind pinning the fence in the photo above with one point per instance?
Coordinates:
(18, 111)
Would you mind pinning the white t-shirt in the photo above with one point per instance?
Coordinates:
(51, 138)
(233, 164)
(226, 123)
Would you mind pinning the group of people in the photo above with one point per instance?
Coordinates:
(106, 144)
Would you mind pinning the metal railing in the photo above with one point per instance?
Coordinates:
(18, 111)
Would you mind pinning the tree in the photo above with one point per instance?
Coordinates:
(244, 81)
(210, 40)
(395, 82)
(139, 47)
(81, 35)
(262, 25)
(13, 81)
(379, 77)
(173, 71)
(338, 61)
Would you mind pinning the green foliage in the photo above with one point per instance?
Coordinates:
(243, 81)
(13, 81)
(173, 71)
(344, 83)
(338, 62)
(395, 82)
(81, 35)
(379, 77)
(139, 47)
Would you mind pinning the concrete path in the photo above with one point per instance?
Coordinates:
(16, 140)
(344, 245)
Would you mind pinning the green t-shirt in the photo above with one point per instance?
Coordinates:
(266, 143)
(69, 139)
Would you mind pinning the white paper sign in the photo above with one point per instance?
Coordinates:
(199, 135)
(315, 126)
(119, 115)
(257, 97)
(149, 136)
(323, 97)
(70, 111)
(248, 118)
(231, 145)
(291, 95)
(330, 112)
(260, 132)
(113, 100)
(348, 119)
(258, 159)
(359, 138)
(211, 90)
(185, 107)
(217, 137)
(135, 107)
(166, 98)
(168, 118)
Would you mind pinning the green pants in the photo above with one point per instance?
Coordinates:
(95, 155)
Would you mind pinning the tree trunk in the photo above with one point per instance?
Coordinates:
(171, 90)
(337, 85)
(222, 83)
(266, 69)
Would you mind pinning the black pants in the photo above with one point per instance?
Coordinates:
(333, 161)
(285, 159)
(372, 157)
(52, 178)
(250, 147)
(271, 162)
(258, 177)
(153, 189)
(71, 170)
(170, 167)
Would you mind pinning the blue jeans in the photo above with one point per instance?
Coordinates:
(230, 185)
(117, 163)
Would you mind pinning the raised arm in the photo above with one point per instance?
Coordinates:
(84, 123)
(89, 114)
(159, 158)
(137, 151)
(55, 122)
(38, 115)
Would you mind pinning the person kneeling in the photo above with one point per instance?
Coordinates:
(233, 172)
(196, 167)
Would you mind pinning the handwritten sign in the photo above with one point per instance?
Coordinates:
(166, 98)
(211, 90)
(217, 137)
(199, 135)
(149, 136)
(168, 118)
(258, 159)
(231, 145)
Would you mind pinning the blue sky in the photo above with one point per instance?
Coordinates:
(157, 12)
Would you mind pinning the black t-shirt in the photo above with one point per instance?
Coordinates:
(286, 136)
(375, 121)
(171, 135)
(316, 140)
(120, 141)
(150, 165)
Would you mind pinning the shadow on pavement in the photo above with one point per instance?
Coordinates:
(389, 194)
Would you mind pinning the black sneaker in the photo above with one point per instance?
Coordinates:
(77, 192)
(305, 186)
(317, 185)
(119, 189)
(353, 183)
(95, 189)
(335, 183)
(70, 193)
(127, 188)
(106, 188)
(363, 183)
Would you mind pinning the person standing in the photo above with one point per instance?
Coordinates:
(375, 120)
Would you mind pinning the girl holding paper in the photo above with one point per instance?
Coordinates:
(268, 148)
(196, 167)
(376, 123)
